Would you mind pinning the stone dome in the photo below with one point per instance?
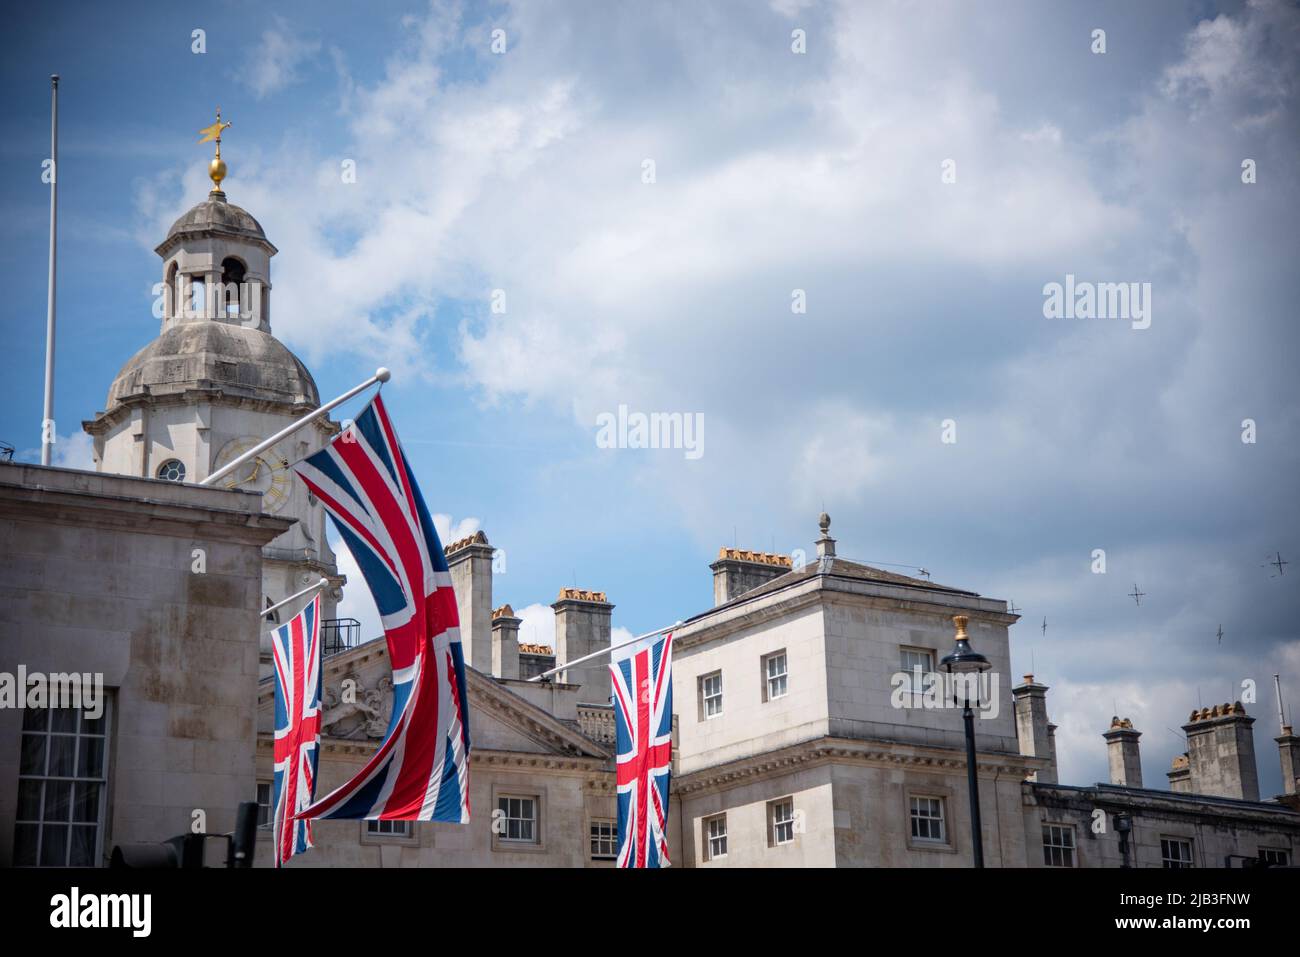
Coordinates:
(238, 361)
(215, 216)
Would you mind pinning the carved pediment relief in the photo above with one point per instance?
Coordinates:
(354, 712)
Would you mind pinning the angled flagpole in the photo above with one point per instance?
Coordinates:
(604, 651)
(296, 595)
(381, 375)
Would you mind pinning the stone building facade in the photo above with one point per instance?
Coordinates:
(810, 727)
(155, 586)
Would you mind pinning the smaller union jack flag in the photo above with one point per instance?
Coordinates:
(297, 652)
(642, 679)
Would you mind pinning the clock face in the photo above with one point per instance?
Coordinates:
(267, 473)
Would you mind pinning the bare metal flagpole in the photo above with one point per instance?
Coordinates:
(296, 595)
(1281, 712)
(381, 375)
(47, 423)
(604, 651)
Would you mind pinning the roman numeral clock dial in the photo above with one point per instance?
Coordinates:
(267, 473)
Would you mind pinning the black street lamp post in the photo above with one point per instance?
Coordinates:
(965, 661)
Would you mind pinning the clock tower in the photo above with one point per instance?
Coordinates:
(215, 382)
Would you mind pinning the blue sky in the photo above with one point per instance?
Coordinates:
(774, 171)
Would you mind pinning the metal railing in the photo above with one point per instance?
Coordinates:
(339, 634)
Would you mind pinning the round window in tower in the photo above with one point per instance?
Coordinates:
(173, 470)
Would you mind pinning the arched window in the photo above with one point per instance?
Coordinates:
(173, 470)
(198, 296)
(171, 296)
(232, 278)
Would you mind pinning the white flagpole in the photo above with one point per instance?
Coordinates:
(308, 590)
(47, 424)
(604, 651)
(381, 375)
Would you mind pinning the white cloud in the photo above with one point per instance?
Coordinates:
(537, 626)
(75, 451)
(273, 63)
(449, 532)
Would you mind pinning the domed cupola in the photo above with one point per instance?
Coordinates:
(216, 260)
(216, 357)
(215, 365)
(215, 383)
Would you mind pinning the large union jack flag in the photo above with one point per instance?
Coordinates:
(296, 649)
(420, 772)
(642, 676)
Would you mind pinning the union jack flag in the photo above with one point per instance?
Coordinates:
(296, 649)
(420, 772)
(643, 723)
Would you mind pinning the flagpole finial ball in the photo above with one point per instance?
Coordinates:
(382, 374)
(216, 172)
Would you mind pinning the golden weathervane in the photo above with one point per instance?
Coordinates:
(217, 168)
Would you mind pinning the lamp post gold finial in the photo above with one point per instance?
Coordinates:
(216, 168)
(960, 621)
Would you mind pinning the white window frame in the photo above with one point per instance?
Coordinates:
(504, 844)
(1167, 842)
(102, 780)
(913, 805)
(769, 677)
(527, 802)
(390, 832)
(713, 829)
(780, 828)
(706, 697)
(269, 806)
(389, 828)
(603, 831)
(915, 692)
(1067, 854)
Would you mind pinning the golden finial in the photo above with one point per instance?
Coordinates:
(216, 168)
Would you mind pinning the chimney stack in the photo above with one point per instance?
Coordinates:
(1180, 775)
(739, 570)
(582, 626)
(1125, 759)
(505, 642)
(470, 562)
(1221, 752)
(1035, 732)
(1288, 746)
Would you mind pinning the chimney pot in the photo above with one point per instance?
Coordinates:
(1123, 754)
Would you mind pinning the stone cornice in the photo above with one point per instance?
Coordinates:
(818, 590)
(203, 392)
(729, 620)
(101, 500)
(1205, 809)
(176, 240)
(827, 750)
